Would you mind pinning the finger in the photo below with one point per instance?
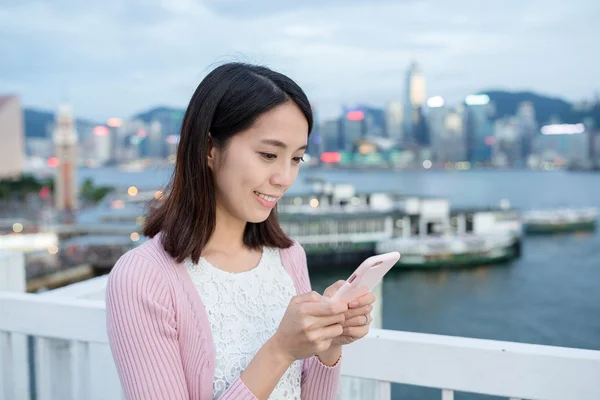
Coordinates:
(363, 300)
(310, 297)
(358, 321)
(331, 290)
(353, 312)
(331, 331)
(320, 322)
(324, 309)
(356, 332)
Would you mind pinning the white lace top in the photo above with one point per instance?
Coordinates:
(244, 310)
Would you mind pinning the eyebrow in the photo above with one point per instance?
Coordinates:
(280, 144)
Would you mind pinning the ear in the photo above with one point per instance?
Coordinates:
(212, 152)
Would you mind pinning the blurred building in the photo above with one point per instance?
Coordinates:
(446, 131)
(528, 127)
(415, 96)
(11, 137)
(394, 118)
(315, 139)
(156, 144)
(507, 148)
(374, 150)
(65, 141)
(361, 121)
(454, 143)
(172, 143)
(115, 126)
(131, 137)
(594, 140)
(479, 128)
(563, 144)
(41, 148)
(102, 144)
(351, 128)
(330, 133)
(436, 119)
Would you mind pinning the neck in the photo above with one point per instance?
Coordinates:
(228, 235)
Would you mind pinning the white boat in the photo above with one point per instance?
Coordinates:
(560, 220)
(452, 251)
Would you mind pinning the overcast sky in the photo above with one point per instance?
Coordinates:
(118, 57)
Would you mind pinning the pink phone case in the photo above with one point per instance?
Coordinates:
(366, 276)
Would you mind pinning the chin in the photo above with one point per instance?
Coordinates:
(258, 218)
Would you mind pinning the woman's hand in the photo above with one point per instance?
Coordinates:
(308, 326)
(357, 317)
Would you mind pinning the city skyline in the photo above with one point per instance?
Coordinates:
(116, 60)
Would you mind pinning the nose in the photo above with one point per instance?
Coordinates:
(284, 176)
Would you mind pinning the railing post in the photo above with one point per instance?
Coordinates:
(12, 272)
(6, 363)
(43, 369)
(53, 368)
(358, 388)
(80, 367)
(15, 353)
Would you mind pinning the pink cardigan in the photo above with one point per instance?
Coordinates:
(160, 335)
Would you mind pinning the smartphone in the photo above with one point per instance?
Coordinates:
(366, 276)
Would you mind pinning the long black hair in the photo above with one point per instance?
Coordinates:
(227, 101)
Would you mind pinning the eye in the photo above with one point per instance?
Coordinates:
(298, 160)
(268, 156)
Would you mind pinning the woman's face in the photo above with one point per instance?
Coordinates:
(259, 164)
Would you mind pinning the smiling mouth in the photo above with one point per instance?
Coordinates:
(267, 198)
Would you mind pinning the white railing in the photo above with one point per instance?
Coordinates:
(73, 360)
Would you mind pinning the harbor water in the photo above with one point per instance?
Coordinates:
(551, 295)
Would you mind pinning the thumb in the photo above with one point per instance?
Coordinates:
(330, 291)
(310, 297)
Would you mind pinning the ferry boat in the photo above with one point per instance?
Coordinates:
(426, 231)
(560, 220)
(336, 224)
(452, 251)
(431, 235)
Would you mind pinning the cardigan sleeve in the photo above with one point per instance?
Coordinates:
(142, 332)
(319, 381)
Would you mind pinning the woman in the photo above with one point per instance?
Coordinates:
(218, 304)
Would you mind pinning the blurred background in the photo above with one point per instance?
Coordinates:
(465, 135)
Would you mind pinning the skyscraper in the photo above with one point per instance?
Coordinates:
(330, 132)
(455, 144)
(155, 141)
(508, 146)
(315, 140)
(528, 127)
(479, 128)
(65, 141)
(436, 121)
(360, 121)
(102, 144)
(394, 119)
(415, 95)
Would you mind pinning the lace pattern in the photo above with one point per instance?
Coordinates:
(244, 310)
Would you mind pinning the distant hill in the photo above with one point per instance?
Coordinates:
(546, 108)
(170, 118)
(160, 113)
(39, 123)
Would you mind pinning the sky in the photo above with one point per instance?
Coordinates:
(119, 57)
